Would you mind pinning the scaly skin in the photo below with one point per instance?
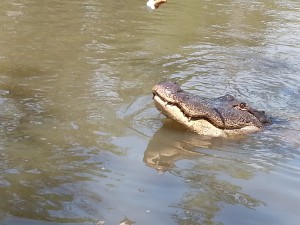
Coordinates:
(222, 116)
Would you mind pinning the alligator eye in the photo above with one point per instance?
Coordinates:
(243, 106)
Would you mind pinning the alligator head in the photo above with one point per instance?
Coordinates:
(221, 116)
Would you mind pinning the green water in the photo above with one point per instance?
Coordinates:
(82, 143)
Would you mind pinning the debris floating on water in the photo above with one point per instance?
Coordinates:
(126, 221)
(154, 4)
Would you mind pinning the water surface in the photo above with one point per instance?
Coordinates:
(82, 143)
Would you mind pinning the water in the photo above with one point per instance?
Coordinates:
(81, 141)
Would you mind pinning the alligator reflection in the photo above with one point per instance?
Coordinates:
(167, 146)
(208, 190)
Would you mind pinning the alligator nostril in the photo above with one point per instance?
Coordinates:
(229, 97)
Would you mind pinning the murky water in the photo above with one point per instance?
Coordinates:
(81, 141)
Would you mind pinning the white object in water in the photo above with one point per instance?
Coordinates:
(151, 4)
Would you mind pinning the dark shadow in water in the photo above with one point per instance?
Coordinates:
(206, 173)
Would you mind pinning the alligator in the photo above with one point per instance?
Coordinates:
(219, 117)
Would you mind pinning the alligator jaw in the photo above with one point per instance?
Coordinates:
(200, 126)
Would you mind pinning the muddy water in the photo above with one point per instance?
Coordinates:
(81, 142)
